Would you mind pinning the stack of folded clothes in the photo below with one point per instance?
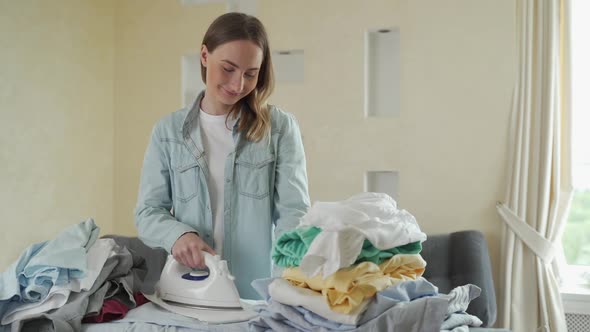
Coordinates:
(353, 264)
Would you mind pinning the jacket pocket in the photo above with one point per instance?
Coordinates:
(253, 175)
(186, 179)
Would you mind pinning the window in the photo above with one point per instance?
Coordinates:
(576, 236)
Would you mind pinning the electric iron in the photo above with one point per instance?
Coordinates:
(181, 285)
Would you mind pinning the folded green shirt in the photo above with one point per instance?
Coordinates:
(292, 246)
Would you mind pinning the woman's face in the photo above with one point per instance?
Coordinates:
(232, 70)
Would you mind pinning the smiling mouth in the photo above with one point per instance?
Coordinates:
(231, 93)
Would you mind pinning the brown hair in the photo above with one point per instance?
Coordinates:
(238, 26)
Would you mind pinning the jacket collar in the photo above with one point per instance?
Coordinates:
(190, 120)
(191, 132)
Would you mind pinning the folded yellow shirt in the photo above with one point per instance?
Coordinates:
(346, 289)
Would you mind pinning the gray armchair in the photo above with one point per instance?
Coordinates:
(460, 258)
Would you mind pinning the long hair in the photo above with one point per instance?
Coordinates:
(255, 119)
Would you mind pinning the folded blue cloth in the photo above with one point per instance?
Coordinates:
(48, 263)
(405, 291)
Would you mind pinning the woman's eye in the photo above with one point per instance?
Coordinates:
(250, 75)
(229, 70)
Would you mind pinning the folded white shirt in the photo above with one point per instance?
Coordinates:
(346, 224)
(203, 314)
(58, 295)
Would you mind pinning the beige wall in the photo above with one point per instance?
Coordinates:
(56, 127)
(151, 38)
(448, 143)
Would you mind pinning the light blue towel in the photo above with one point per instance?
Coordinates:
(48, 263)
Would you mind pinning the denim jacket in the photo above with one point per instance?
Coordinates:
(265, 190)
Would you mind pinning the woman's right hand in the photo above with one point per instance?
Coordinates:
(188, 250)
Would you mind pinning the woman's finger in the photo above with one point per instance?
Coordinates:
(209, 250)
(197, 257)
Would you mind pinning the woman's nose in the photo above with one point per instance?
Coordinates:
(237, 84)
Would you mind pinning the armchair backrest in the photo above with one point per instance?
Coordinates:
(460, 258)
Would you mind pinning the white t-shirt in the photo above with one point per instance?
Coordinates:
(218, 142)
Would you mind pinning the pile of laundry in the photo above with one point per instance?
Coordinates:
(72, 279)
(356, 264)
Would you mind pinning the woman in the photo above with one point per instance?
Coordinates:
(219, 176)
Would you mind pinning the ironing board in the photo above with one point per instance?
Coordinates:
(132, 327)
(469, 243)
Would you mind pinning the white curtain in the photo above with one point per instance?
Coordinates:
(539, 172)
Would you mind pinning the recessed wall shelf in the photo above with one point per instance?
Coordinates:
(192, 84)
(288, 65)
(382, 72)
(382, 182)
(242, 6)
